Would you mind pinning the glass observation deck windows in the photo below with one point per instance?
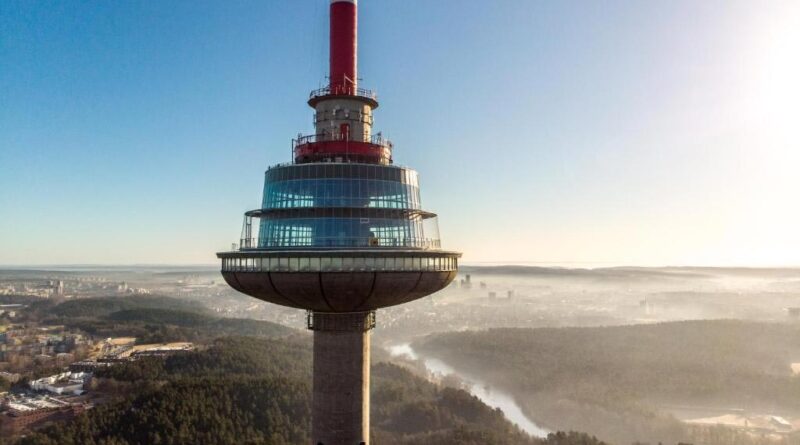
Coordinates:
(341, 185)
(340, 205)
(340, 193)
(411, 231)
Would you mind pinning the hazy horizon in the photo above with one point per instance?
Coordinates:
(567, 265)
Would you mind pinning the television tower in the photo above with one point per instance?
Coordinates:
(340, 233)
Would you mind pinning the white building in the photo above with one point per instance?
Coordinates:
(64, 383)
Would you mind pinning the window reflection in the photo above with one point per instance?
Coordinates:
(348, 232)
(340, 193)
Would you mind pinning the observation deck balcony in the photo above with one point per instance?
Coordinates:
(339, 228)
(376, 139)
(321, 147)
(343, 280)
(352, 242)
(362, 94)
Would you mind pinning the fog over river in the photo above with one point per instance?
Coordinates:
(488, 395)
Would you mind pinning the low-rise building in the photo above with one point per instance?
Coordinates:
(24, 412)
(64, 383)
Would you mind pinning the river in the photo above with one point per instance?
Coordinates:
(480, 389)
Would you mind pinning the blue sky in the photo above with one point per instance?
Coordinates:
(618, 132)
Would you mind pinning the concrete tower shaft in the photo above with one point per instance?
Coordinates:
(344, 47)
(341, 366)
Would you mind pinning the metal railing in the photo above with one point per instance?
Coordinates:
(281, 165)
(293, 164)
(343, 91)
(340, 242)
(375, 139)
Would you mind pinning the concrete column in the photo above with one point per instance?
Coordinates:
(340, 409)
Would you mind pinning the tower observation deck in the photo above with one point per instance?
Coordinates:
(340, 233)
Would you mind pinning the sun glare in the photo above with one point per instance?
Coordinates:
(778, 74)
(764, 230)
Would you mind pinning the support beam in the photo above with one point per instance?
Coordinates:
(340, 410)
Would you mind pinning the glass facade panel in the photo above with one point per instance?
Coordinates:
(302, 193)
(345, 185)
(348, 232)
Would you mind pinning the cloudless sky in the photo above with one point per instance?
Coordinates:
(590, 132)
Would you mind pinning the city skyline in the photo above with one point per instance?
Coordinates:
(613, 139)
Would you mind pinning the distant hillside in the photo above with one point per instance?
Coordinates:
(98, 307)
(163, 316)
(634, 273)
(610, 380)
(155, 319)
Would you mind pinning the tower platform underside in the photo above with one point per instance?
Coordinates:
(338, 280)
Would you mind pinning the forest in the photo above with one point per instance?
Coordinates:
(152, 319)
